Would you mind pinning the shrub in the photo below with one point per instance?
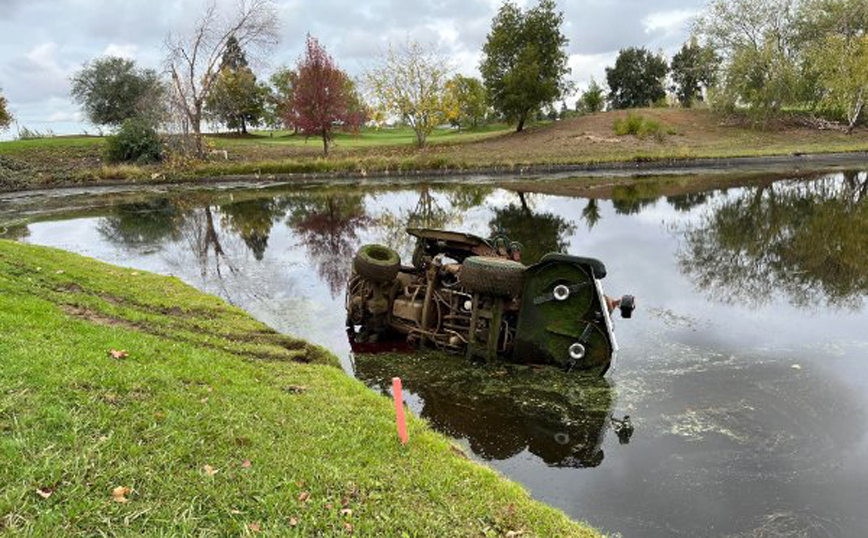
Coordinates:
(638, 125)
(137, 141)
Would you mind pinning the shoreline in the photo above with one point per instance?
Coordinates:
(621, 169)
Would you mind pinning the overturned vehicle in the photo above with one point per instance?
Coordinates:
(470, 295)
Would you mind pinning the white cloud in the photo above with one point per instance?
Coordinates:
(122, 51)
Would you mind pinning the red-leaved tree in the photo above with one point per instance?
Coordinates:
(325, 98)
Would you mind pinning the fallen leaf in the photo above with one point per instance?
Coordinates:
(293, 522)
(119, 354)
(235, 512)
(246, 464)
(304, 496)
(45, 492)
(347, 512)
(329, 506)
(254, 527)
(119, 494)
(349, 528)
(210, 471)
(159, 415)
(59, 272)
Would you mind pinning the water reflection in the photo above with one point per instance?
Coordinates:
(744, 411)
(328, 227)
(538, 231)
(806, 240)
(503, 411)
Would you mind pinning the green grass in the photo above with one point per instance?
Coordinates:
(13, 147)
(365, 138)
(205, 385)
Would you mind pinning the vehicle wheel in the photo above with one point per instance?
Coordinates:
(377, 263)
(497, 277)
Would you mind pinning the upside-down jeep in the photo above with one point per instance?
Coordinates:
(470, 295)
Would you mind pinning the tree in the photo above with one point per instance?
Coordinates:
(468, 101)
(410, 82)
(236, 99)
(637, 78)
(760, 43)
(281, 94)
(5, 115)
(837, 33)
(525, 62)
(324, 96)
(693, 68)
(112, 90)
(592, 99)
(193, 60)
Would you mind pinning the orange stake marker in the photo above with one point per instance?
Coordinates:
(399, 409)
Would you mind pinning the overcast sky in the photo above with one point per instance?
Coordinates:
(42, 42)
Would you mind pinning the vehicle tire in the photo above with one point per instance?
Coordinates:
(377, 263)
(497, 277)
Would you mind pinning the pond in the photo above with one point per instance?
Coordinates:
(744, 370)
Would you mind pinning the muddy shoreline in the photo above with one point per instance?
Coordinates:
(621, 169)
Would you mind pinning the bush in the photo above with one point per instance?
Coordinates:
(137, 141)
(638, 125)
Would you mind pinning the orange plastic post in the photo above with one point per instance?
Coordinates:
(399, 409)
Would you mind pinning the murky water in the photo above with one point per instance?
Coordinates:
(744, 371)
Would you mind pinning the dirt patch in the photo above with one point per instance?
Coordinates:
(97, 317)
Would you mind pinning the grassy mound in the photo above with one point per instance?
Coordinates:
(207, 423)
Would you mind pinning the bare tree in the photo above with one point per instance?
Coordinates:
(193, 60)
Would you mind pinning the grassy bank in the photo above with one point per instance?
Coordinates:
(217, 425)
(680, 135)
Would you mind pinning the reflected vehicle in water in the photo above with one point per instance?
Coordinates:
(469, 295)
(514, 408)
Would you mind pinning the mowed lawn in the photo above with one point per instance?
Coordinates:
(204, 422)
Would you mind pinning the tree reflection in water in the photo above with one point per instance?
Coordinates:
(807, 240)
(539, 232)
(328, 226)
(441, 207)
(143, 226)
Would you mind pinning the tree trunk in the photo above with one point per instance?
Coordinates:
(243, 126)
(521, 121)
(325, 143)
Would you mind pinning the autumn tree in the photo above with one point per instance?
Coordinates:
(236, 99)
(409, 82)
(194, 59)
(694, 69)
(468, 101)
(112, 90)
(636, 79)
(5, 115)
(324, 97)
(524, 60)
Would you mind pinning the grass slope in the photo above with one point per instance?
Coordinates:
(292, 445)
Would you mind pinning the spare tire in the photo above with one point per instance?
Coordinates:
(377, 263)
(497, 277)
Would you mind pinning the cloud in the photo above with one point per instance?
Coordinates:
(127, 50)
(38, 74)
